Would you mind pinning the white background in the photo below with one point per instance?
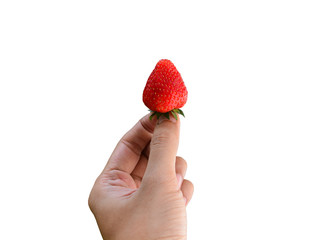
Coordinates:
(72, 75)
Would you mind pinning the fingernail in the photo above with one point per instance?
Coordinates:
(162, 118)
(185, 199)
(179, 180)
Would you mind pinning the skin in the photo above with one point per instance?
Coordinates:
(141, 193)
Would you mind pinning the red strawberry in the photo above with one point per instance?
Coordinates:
(165, 91)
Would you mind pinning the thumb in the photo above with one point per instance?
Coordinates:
(163, 148)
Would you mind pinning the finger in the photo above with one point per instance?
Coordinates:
(142, 163)
(139, 170)
(163, 148)
(187, 190)
(146, 151)
(129, 148)
(180, 167)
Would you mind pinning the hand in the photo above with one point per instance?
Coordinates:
(142, 194)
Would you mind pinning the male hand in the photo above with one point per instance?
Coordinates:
(142, 194)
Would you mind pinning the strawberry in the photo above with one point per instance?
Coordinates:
(165, 91)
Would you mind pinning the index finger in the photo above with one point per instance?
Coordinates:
(129, 149)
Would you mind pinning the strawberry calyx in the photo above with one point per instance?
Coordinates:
(174, 112)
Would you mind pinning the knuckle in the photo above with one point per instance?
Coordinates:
(181, 161)
(91, 202)
(189, 184)
(160, 139)
(164, 183)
